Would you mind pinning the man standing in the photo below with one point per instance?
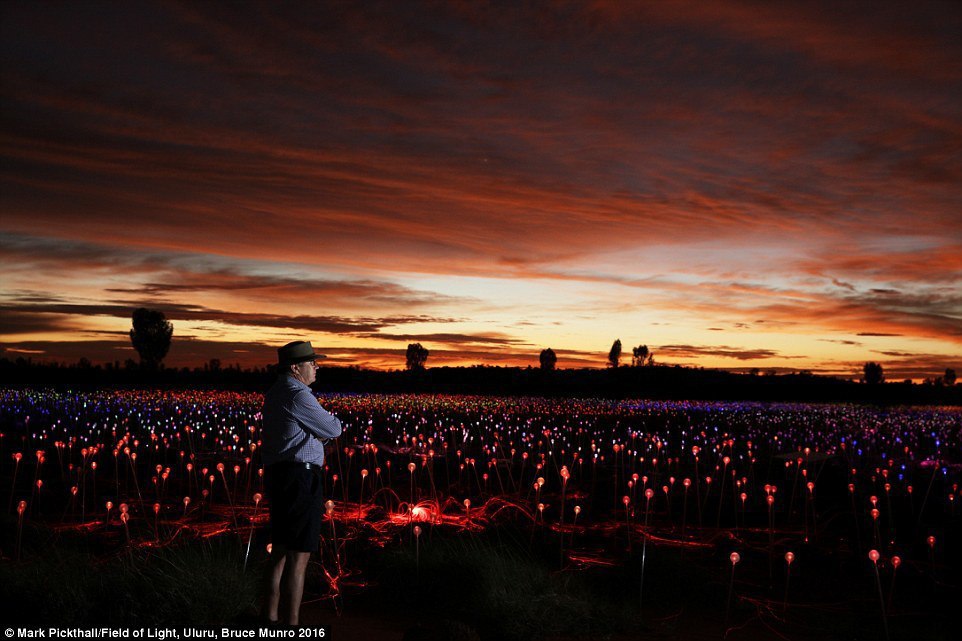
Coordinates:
(295, 429)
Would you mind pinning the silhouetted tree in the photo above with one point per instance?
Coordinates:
(873, 373)
(151, 336)
(416, 356)
(548, 359)
(641, 356)
(949, 377)
(615, 354)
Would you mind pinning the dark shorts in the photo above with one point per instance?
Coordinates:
(296, 502)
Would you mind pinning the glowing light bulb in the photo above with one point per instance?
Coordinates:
(789, 557)
(873, 556)
(734, 557)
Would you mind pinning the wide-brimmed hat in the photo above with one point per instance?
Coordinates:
(297, 352)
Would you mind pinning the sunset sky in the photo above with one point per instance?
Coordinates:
(772, 185)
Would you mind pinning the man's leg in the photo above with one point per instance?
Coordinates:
(274, 573)
(295, 571)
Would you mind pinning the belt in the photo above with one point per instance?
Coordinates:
(314, 467)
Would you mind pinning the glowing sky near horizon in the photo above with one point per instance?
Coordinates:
(735, 185)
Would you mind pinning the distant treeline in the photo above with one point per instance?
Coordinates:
(654, 382)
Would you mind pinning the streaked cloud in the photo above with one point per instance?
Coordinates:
(740, 183)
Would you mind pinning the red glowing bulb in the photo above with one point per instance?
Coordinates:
(789, 557)
(873, 556)
(21, 507)
(625, 500)
(896, 562)
(931, 541)
(734, 557)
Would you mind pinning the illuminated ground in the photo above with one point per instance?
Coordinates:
(571, 517)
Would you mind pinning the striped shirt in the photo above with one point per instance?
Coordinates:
(295, 424)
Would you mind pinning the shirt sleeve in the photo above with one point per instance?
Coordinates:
(314, 418)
